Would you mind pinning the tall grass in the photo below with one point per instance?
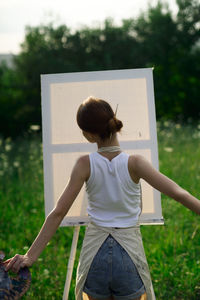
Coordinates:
(172, 250)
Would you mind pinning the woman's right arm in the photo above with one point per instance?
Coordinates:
(53, 220)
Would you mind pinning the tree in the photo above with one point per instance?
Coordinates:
(170, 44)
(13, 110)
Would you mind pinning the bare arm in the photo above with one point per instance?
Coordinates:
(53, 220)
(143, 169)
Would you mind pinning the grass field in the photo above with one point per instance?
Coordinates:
(172, 250)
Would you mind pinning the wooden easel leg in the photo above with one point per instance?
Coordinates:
(71, 262)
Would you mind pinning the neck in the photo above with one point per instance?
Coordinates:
(108, 142)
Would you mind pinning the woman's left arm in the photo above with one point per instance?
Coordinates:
(143, 169)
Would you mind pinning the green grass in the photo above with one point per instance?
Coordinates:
(172, 250)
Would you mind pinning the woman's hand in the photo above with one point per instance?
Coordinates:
(17, 262)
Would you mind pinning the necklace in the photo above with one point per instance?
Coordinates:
(109, 149)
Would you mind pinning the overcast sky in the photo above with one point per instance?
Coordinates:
(16, 14)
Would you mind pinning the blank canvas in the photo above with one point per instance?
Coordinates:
(62, 94)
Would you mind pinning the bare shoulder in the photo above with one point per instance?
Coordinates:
(82, 166)
(136, 163)
(136, 160)
(83, 160)
(133, 165)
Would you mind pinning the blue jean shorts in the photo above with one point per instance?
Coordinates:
(113, 273)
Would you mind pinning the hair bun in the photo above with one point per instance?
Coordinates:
(114, 125)
(97, 117)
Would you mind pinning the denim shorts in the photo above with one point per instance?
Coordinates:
(113, 273)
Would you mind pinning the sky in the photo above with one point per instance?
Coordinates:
(16, 14)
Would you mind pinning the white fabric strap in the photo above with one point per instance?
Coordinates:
(109, 149)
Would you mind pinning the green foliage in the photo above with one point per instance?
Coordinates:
(157, 38)
(172, 250)
(13, 109)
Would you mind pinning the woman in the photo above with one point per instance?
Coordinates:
(112, 262)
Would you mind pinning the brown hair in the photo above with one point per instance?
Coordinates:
(96, 116)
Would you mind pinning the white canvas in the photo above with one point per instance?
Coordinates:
(63, 143)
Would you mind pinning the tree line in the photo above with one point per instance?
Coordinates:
(156, 38)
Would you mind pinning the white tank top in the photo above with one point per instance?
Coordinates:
(114, 200)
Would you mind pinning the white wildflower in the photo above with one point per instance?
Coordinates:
(46, 272)
(40, 259)
(8, 147)
(196, 135)
(35, 127)
(166, 123)
(168, 149)
(16, 164)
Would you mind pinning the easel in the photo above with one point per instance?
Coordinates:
(71, 262)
